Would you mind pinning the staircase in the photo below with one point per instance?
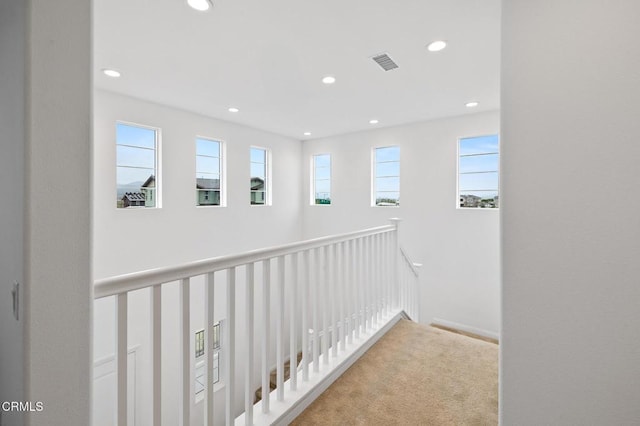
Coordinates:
(273, 376)
(350, 289)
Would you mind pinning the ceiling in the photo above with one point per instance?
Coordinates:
(267, 58)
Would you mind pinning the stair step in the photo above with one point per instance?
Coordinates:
(273, 378)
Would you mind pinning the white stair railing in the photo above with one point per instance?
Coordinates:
(409, 286)
(344, 288)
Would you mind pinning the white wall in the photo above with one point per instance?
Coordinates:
(180, 231)
(128, 240)
(459, 248)
(58, 278)
(571, 235)
(12, 67)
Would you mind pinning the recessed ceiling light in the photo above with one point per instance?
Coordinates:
(471, 104)
(111, 73)
(437, 46)
(200, 5)
(329, 79)
(374, 121)
(232, 109)
(307, 133)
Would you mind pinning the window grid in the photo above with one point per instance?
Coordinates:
(321, 186)
(478, 172)
(209, 183)
(386, 182)
(259, 182)
(136, 165)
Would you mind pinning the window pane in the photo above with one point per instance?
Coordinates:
(257, 170)
(478, 145)
(208, 198)
(390, 153)
(384, 198)
(257, 197)
(322, 160)
(478, 181)
(323, 173)
(258, 155)
(479, 199)
(207, 165)
(209, 182)
(323, 186)
(135, 136)
(388, 184)
(200, 379)
(388, 169)
(479, 163)
(207, 147)
(132, 179)
(136, 157)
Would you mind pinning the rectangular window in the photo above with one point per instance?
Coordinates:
(386, 181)
(200, 382)
(136, 166)
(208, 172)
(321, 184)
(259, 176)
(478, 172)
(199, 343)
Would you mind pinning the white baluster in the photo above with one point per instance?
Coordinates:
(266, 326)
(336, 301)
(280, 330)
(314, 311)
(209, 298)
(364, 271)
(324, 303)
(305, 314)
(293, 302)
(249, 319)
(121, 357)
(230, 344)
(349, 286)
(156, 356)
(357, 286)
(379, 261)
(185, 352)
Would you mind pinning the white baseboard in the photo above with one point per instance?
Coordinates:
(467, 328)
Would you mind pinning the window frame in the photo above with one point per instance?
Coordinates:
(157, 162)
(314, 180)
(374, 177)
(222, 167)
(458, 156)
(201, 361)
(267, 173)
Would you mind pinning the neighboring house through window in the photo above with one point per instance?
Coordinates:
(259, 184)
(386, 176)
(136, 166)
(208, 172)
(321, 179)
(478, 172)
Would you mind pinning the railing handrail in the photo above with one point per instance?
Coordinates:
(410, 263)
(143, 279)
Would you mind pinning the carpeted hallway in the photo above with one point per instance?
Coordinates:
(414, 375)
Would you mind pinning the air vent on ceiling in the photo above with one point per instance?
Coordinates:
(385, 62)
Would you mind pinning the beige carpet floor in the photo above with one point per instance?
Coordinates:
(414, 375)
